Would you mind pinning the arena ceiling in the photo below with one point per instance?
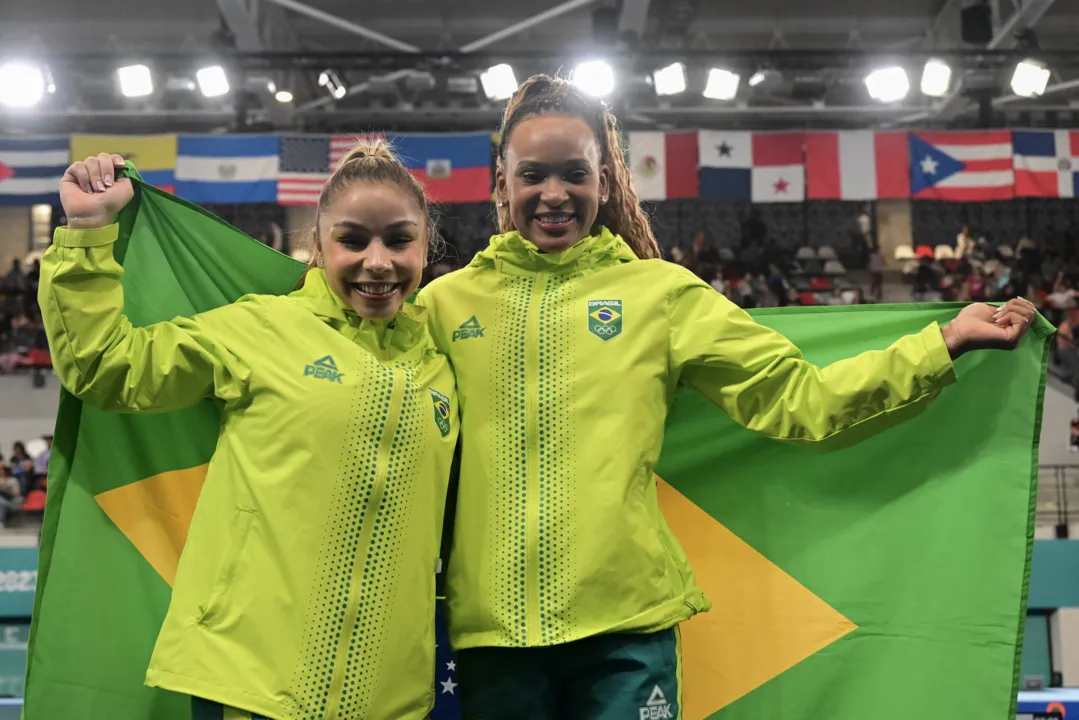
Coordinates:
(414, 64)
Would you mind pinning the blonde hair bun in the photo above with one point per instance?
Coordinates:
(370, 151)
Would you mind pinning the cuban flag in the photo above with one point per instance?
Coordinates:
(1046, 163)
(961, 166)
(31, 169)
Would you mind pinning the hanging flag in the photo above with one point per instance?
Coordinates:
(227, 168)
(31, 169)
(762, 167)
(962, 166)
(308, 160)
(1046, 163)
(664, 165)
(452, 168)
(154, 154)
(857, 165)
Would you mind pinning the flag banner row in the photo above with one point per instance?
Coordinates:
(759, 167)
(207, 169)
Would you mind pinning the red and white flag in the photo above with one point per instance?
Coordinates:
(857, 165)
(779, 167)
(664, 165)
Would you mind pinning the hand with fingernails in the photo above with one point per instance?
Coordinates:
(91, 193)
(982, 327)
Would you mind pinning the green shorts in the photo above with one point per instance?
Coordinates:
(607, 677)
(207, 710)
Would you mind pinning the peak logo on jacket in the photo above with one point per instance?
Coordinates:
(442, 411)
(469, 329)
(656, 708)
(324, 369)
(605, 318)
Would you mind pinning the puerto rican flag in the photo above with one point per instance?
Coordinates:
(1046, 163)
(962, 166)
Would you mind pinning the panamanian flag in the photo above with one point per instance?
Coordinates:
(1046, 163)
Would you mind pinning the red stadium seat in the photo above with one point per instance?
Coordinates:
(808, 298)
(924, 251)
(35, 501)
(821, 284)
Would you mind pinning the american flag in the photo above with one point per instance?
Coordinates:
(306, 164)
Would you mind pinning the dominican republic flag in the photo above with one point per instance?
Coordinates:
(664, 165)
(761, 167)
(962, 166)
(452, 168)
(227, 168)
(1046, 163)
(857, 165)
(31, 169)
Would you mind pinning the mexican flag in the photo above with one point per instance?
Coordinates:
(889, 578)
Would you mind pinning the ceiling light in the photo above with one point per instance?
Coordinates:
(212, 81)
(722, 84)
(593, 77)
(1030, 78)
(888, 85)
(22, 84)
(135, 81)
(332, 82)
(283, 96)
(936, 78)
(670, 80)
(498, 82)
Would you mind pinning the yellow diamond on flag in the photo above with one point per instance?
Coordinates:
(155, 514)
(605, 315)
(762, 621)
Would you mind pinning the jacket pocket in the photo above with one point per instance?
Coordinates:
(223, 581)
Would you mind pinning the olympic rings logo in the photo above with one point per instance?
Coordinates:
(605, 330)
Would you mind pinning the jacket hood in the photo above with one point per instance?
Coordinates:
(512, 253)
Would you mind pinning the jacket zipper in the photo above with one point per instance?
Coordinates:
(348, 627)
(532, 476)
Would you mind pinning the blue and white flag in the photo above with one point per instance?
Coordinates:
(31, 169)
(1046, 163)
(228, 168)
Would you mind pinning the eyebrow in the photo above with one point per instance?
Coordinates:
(352, 225)
(541, 164)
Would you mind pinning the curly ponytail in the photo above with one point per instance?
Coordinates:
(622, 213)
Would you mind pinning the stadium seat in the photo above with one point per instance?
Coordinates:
(821, 284)
(923, 251)
(812, 267)
(904, 252)
(850, 296)
(1005, 251)
(944, 252)
(834, 267)
(910, 267)
(808, 298)
(826, 252)
(806, 253)
(726, 254)
(35, 501)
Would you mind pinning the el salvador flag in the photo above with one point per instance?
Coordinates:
(228, 168)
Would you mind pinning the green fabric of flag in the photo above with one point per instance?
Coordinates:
(919, 539)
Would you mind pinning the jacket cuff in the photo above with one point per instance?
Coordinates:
(96, 237)
(939, 357)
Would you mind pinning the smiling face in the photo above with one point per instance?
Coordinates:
(553, 180)
(373, 247)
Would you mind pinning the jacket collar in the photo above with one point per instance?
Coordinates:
(512, 253)
(403, 332)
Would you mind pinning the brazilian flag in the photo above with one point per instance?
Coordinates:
(886, 580)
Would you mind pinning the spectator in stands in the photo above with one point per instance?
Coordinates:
(34, 276)
(964, 242)
(41, 462)
(1025, 245)
(979, 286)
(22, 465)
(926, 279)
(876, 275)
(1066, 354)
(704, 254)
(15, 280)
(754, 231)
(11, 494)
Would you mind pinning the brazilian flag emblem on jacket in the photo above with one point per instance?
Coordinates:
(442, 411)
(605, 318)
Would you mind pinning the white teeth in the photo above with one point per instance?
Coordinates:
(372, 289)
(555, 218)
